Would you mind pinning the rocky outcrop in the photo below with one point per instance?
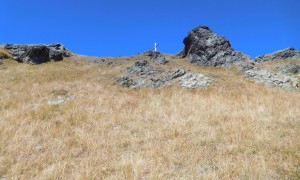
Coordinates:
(37, 54)
(285, 54)
(204, 47)
(156, 57)
(142, 74)
(272, 79)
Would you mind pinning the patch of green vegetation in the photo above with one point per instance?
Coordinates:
(297, 173)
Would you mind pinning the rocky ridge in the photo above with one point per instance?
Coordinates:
(288, 53)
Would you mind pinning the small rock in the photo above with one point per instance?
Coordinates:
(3, 56)
(125, 81)
(61, 99)
(190, 80)
(142, 69)
(99, 61)
(156, 83)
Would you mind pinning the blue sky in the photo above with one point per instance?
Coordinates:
(127, 27)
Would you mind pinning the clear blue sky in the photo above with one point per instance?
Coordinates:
(127, 27)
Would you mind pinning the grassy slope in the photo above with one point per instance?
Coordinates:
(234, 129)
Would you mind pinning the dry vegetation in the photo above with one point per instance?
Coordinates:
(233, 130)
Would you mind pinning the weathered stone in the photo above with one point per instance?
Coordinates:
(125, 81)
(37, 54)
(190, 80)
(156, 83)
(176, 74)
(272, 79)
(244, 66)
(288, 53)
(3, 56)
(61, 99)
(142, 74)
(156, 57)
(290, 68)
(204, 47)
(99, 61)
(142, 69)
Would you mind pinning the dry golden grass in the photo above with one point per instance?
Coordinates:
(233, 130)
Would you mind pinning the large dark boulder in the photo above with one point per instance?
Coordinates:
(204, 47)
(285, 54)
(37, 54)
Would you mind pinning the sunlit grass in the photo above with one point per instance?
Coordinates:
(232, 130)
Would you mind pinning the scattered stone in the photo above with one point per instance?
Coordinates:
(272, 79)
(99, 61)
(204, 47)
(291, 69)
(288, 53)
(37, 54)
(190, 80)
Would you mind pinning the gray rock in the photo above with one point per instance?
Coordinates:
(142, 69)
(244, 66)
(288, 53)
(204, 47)
(156, 83)
(142, 74)
(99, 61)
(61, 99)
(125, 81)
(190, 80)
(272, 79)
(3, 56)
(177, 73)
(156, 57)
(37, 54)
(291, 69)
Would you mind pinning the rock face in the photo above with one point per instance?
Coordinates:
(204, 47)
(272, 79)
(37, 54)
(289, 53)
(142, 74)
(156, 57)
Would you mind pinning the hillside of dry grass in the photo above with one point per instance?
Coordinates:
(235, 129)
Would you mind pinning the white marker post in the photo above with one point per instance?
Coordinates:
(155, 46)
